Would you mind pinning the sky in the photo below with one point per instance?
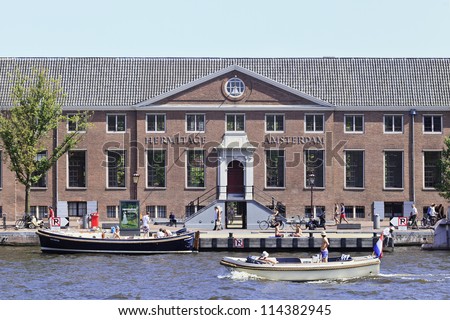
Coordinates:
(233, 28)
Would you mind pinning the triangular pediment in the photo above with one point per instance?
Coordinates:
(192, 90)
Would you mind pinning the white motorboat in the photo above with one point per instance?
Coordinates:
(306, 269)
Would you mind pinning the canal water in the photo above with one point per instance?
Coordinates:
(26, 273)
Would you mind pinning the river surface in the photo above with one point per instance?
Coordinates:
(26, 273)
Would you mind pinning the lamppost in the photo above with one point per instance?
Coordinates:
(311, 179)
(135, 181)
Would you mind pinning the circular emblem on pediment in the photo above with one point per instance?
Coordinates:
(234, 88)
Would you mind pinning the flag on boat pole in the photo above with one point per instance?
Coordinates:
(378, 248)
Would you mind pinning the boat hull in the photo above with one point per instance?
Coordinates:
(59, 242)
(306, 270)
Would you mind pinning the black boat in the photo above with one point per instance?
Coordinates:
(64, 242)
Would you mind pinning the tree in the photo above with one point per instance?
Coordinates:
(25, 128)
(443, 185)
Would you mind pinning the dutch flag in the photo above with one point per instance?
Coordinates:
(378, 248)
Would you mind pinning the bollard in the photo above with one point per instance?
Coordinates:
(376, 221)
(230, 235)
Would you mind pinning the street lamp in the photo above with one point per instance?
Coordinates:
(311, 180)
(135, 181)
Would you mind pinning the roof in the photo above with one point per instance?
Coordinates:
(109, 82)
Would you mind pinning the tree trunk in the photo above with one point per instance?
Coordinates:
(27, 197)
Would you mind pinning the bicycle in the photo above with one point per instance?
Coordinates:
(300, 222)
(265, 224)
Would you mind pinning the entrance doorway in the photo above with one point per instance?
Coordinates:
(235, 175)
(236, 215)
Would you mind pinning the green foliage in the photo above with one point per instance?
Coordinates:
(25, 128)
(444, 166)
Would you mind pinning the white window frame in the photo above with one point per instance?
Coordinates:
(384, 169)
(234, 115)
(165, 168)
(196, 123)
(353, 116)
(305, 171)
(154, 115)
(157, 211)
(364, 171)
(274, 115)
(186, 169)
(107, 169)
(116, 115)
(314, 130)
(432, 115)
(284, 170)
(393, 129)
(68, 122)
(423, 167)
(86, 170)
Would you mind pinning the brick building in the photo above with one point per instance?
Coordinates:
(184, 134)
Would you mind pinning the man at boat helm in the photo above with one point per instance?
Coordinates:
(324, 247)
(265, 258)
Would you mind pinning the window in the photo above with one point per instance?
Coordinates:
(314, 123)
(354, 169)
(191, 209)
(157, 211)
(235, 87)
(274, 123)
(196, 169)
(77, 169)
(317, 210)
(116, 168)
(195, 122)
(156, 168)
(73, 124)
(393, 169)
(112, 211)
(393, 123)
(235, 122)
(432, 124)
(156, 122)
(354, 123)
(393, 209)
(360, 212)
(431, 170)
(42, 182)
(40, 212)
(355, 211)
(314, 163)
(77, 209)
(116, 122)
(275, 163)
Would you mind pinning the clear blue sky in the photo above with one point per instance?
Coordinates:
(233, 28)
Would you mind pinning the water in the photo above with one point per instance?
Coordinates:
(26, 273)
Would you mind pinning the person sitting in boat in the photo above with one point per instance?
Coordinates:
(265, 258)
(324, 247)
(116, 234)
(160, 233)
(167, 232)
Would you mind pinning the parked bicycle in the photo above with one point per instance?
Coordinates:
(300, 222)
(428, 221)
(265, 224)
(28, 221)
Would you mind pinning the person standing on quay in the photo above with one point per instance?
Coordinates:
(342, 217)
(51, 215)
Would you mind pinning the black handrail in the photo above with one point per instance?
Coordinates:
(267, 198)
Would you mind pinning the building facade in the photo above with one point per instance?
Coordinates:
(181, 135)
